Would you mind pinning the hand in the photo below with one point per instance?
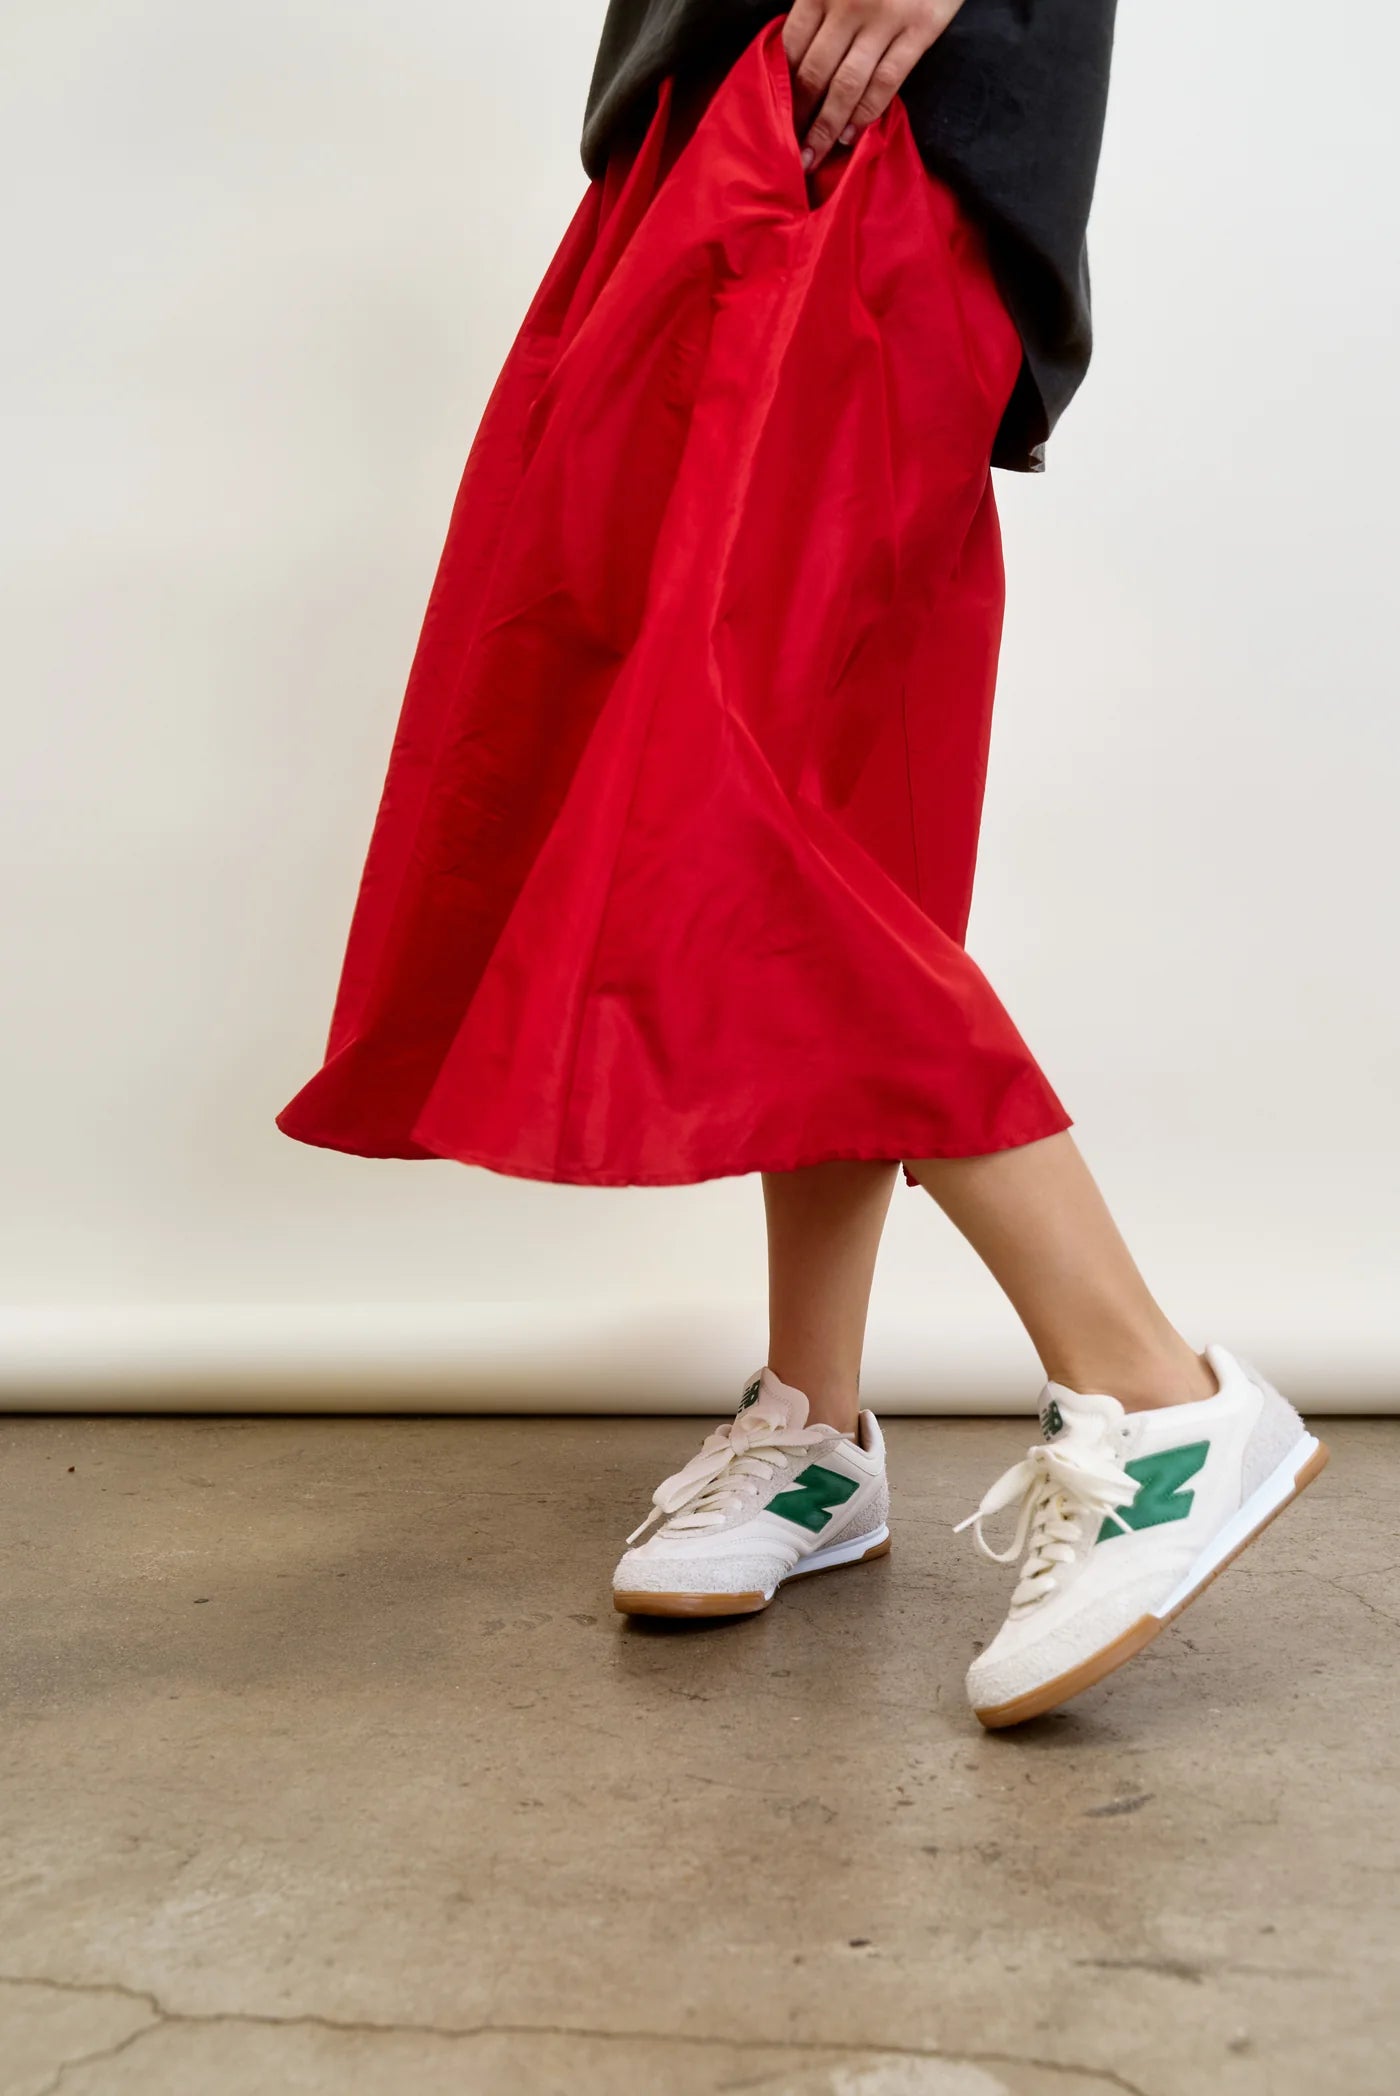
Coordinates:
(849, 59)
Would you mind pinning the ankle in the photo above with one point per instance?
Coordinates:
(837, 1409)
(1142, 1381)
(831, 1400)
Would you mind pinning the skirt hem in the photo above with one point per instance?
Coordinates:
(698, 1175)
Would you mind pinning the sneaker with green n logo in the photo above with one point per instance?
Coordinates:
(767, 1498)
(1121, 1518)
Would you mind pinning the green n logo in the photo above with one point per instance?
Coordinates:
(814, 1497)
(751, 1391)
(1159, 1495)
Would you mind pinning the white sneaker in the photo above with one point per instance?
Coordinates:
(1125, 1517)
(767, 1498)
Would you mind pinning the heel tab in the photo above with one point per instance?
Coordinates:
(869, 1439)
(1232, 1368)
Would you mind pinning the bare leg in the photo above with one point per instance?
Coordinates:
(1037, 1219)
(824, 1226)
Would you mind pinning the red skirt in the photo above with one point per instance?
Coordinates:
(673, 864)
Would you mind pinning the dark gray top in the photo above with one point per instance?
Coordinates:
(1007, 108)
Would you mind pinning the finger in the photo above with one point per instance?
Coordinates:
(799, 29)
(815, 68)
(889, 75)
(848, 84)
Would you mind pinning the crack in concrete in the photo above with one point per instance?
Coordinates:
(102, 2053)
(1166, 1968)
(1339, 1586)
(161, 2016)
(1184, 1969)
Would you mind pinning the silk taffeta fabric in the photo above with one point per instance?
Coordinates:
(673, 864)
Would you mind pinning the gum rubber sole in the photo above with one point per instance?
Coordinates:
(643, 1604)
(1051, 1694)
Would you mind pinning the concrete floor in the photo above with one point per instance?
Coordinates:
(329, 1768)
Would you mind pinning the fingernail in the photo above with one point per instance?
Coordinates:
(848, 134)
(808, 156)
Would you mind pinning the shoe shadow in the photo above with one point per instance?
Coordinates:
(684, 1626)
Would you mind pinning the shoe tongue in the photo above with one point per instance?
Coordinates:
(768, 1399)
(1067, 1415)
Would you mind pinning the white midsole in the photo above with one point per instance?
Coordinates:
(1277, 1488)
(836, 1554)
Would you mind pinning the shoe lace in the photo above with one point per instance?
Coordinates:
(1059, 1489)
(734, 1464)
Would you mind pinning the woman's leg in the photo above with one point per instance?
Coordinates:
(1037, 1219)
(1170, 1497)
(764, 1495)
(824, 1226)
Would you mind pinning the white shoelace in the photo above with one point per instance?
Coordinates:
(1059, 1489)
(735, 1463)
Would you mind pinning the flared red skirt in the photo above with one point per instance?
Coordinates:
(672, 869)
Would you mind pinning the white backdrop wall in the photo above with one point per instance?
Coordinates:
(262, 263)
